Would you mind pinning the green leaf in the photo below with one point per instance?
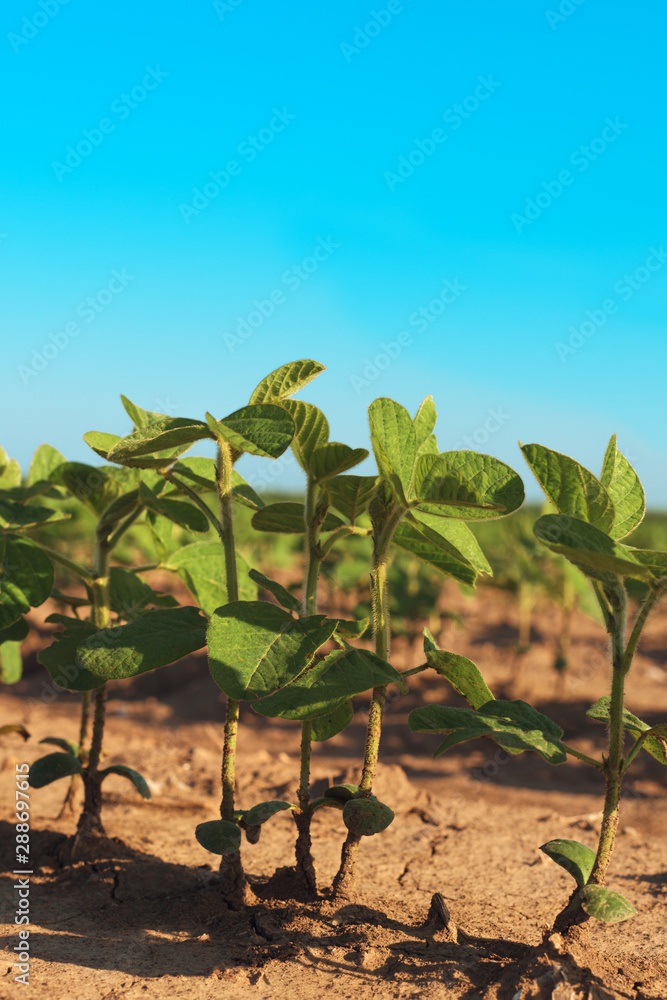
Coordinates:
(265, 810)
(365, 817)
(53, 766)
(333, 722)
(26, 577)
(60, 657)
(13, 728)
(139, 417)
(321, 687)
(133, 776)
(464, 676)
(514, 725)
(88, 484)
(467, 485)
(312, 430)
(588, 547)
(219, 836)
(431, 547)
(199, 471)
(255, 647)
(570, 487)
(655, 560)
(11, 662)
(342, 793)
(118, 510)
(351, 495)
(155, 639)
(333, 458)
(16, 632)
(44, 463)
(458, 534)
(394, 445)
(288, 518)
(263, 429)
(625, 489)
(283, 596)
(351, 629)
(101, 443)
(605, 905)
(10, 472)
(165, 434)
(575, 858)
(653, 739)
(21, 517)
(129, 594)
(201, 567)
(67, 745)
(244, 494)
(181, 512)
(425, 421)
(286, 380)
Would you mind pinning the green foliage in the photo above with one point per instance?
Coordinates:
(575, 858)
(52, 767)
(605, 905)
(366, 817)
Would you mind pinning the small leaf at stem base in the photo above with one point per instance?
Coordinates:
(219, 836)
(605, 905)
(575, 858)
(365, 817)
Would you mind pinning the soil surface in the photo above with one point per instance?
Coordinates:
(144, 917)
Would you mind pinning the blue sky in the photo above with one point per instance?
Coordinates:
(460, 199)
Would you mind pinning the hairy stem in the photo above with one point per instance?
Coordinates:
(231, 866)
(56, 556)
(344, 882)
(305, 865)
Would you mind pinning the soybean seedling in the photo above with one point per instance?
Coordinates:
(421, 498)
(113, 594)
(593, 516)
(323, 462)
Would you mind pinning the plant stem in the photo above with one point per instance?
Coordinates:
(344, 882)
(231, 867)
(305, 865)
(90, 820)
(68, 564)
(197, 500)
(122, 528)
(582, 756)
(83, 733)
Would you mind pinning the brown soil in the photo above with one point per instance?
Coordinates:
(143, 917)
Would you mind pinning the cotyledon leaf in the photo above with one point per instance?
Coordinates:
(575, 858)
(219, 836)
(52, 767)
(603, 904)
(137, 780)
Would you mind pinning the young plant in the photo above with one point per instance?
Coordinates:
(324, 463)
(593, 516)
(211, 572)
(113, 594)
(419, 503)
